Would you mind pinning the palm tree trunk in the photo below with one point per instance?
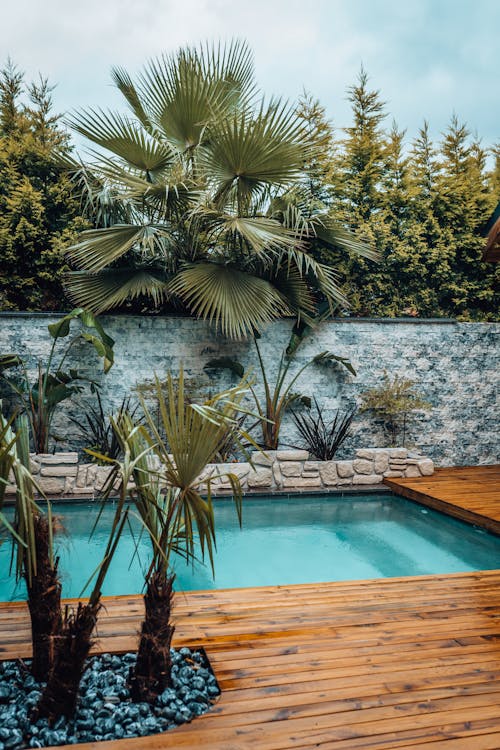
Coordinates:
(44, 602)
(152, 673)
(72, 649)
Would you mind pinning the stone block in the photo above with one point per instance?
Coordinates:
(328, 473)
(49, 459)
(366, 479)
(263, 459)
(294, 455)
(365, 453)
(344, 481)
(83, 491)
(391, 473)
(398, 461)
(277, 474)
(301, 482)
(101, 478)
(262, 477)
(344, 469)
(81, 477)
(34, 466)
(398, 452)
(51, 486)
(311, 466)
(10, 489)
(426, 467)
(412, 471)
(91, 474)
(381, 462)
(362, 466)
(291, 468)
(67, 470)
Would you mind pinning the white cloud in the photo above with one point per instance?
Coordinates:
(427, 58)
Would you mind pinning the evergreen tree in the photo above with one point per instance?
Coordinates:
(38, 211)
(463, 201)
(357, 197)
(422, 210)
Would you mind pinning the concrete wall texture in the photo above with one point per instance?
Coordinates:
(455, 367)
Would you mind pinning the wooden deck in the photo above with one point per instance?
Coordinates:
(393, 663)
(471, 493)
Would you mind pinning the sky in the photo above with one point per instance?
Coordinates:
(429, 58)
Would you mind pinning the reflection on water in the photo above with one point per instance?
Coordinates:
(301, 540)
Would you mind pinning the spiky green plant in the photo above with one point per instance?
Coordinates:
(33, 554)
(73, 645)
(280, 396)
(206, 169)
(394, 401)
(172, 509)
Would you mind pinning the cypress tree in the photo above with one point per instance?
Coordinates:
(38, 211)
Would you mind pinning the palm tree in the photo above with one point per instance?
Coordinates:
(73, 645)
(172, 511)
(210, 175)
(32, 536)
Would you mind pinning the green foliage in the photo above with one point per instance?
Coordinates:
(219, 189)
(97, 430)
(39, 213)
(422, 209)
(393, 402)
(323, 439)
(280, 396)
(53, 385)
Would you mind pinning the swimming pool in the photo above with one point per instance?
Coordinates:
(306, 539)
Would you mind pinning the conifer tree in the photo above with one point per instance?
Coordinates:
(38, 211)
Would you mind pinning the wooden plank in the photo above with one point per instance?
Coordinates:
(403, 663)
(469, 493)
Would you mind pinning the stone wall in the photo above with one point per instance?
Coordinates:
(61, 474)
(455, 365)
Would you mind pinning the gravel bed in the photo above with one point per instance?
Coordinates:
(104, 711)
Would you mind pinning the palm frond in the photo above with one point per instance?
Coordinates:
(124, 138)
(99, 248)
(332, 234)
(108, 289)
(125, 85)
(185, 92)
(232, 300)
(261, 234)
(248, 154)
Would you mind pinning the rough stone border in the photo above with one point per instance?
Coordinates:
(61, 474)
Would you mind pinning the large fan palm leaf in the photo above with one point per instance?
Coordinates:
(99, 248)
(132, 144)
(109, 289)
(249, 154)
(183, 93)
(236, 302)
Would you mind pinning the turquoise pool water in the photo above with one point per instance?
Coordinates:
(283, 541)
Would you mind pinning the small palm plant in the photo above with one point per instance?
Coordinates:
(32, 536)
(171, 507)
(73, 645)
(277, 398)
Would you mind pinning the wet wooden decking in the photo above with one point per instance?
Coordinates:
(393, 663)
(471, 493)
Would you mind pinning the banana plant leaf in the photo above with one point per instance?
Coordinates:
(102, 343)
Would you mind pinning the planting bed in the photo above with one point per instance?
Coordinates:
(104, 711)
